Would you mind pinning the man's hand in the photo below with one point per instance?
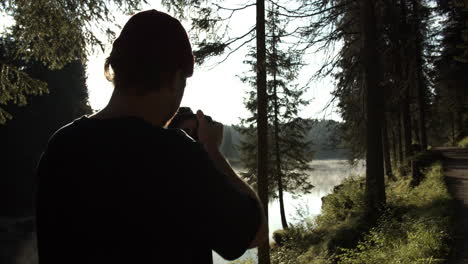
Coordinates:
(210, 134)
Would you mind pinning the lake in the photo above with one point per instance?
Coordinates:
(325, 175)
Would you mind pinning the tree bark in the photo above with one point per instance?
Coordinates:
(459, 120)
(262, 126)
(375, 188)
(420, 85)
(398, 39)
(452, 119)
(400, 139)
(276, 137)
(405, 104)
(416, 131)
(394, 148)
(386, 150)
(281, 199)
(406, 128)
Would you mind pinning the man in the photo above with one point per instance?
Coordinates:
(118, 187)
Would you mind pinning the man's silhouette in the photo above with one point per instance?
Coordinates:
(119, 187)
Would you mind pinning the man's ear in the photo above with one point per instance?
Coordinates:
(172, 83)
(177, 84)
(179, 79)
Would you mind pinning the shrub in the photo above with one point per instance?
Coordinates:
(463, 143)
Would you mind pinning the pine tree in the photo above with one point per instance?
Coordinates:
(26, 136)
(53, 34)
(290, 150)
(450, 118)
(375, 187)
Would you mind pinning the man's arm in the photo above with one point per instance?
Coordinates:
(210, 135)
(223, 166)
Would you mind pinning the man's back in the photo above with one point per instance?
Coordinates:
(123, 191)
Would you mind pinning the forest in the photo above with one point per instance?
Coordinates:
(400, 86)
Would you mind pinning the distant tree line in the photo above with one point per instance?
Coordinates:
(324, 135)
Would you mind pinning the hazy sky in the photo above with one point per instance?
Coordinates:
(216, 90)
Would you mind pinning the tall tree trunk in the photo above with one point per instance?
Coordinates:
(406, 127)
(454, 139)
(386, 150)
(399, 21)
(405, 104)
(416, 131)
(400, 139)
(420, 85)
(278, 171)
(276, 135)
(375, 188)
(394, 146)
(459, 121)
(262, 126)
(280, 190)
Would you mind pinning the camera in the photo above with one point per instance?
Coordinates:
(186, 120)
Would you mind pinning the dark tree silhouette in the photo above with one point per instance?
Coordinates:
(375, 187)
(26, 136)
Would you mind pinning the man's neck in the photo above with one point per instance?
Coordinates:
(151, 107)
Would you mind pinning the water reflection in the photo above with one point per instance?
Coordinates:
(325, 175)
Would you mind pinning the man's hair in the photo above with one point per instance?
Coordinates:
(150, 49)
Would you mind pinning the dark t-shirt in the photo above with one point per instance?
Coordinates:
(123, 191)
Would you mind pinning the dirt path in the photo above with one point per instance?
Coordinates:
(456, 171)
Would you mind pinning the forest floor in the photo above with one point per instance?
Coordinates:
(456, 171)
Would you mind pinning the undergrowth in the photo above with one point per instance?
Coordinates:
(463, 143)
(415, 226)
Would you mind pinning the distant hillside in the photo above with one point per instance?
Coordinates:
(324, 136)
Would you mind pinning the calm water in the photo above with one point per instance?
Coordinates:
(325, 175)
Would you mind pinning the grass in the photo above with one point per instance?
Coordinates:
(463, 143)
(414, 228)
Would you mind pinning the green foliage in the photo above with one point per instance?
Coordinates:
(340, 224)
(463, 143)
(245, 261)
(26, 135)
(15, 85)
(414, 228)
(463, 5)
(54, 33)
(58, 32)
(449, 111)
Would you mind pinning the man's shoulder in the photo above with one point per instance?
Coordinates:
(130, 133)
(66, 131)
